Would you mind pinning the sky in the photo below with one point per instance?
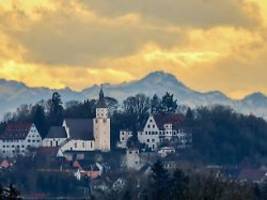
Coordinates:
(207, 44)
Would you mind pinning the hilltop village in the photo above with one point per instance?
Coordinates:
(94, 149)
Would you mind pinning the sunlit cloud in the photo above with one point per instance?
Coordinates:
(209, 45)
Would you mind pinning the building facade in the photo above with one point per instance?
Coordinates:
(83, 135)
(18, 139)
(160, 129)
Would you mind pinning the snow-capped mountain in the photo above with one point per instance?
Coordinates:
(13, 94)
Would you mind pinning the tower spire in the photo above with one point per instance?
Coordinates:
(101, 101)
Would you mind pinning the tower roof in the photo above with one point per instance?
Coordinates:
(101, 101)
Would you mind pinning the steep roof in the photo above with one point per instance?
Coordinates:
(101, 101)
(16, 131)
(56, 132)
(169, 118)
(82, 129)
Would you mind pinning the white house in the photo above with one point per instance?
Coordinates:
(83, 135)
(124, 136)
(163, 127)
(133, 159)
(18, 138)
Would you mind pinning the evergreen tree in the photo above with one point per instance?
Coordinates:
(13, 193)
(168, 104)
(155, 104)
(39, 119)
(160, 182)
(56, 110)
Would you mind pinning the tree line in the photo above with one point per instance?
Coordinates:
(220, 135)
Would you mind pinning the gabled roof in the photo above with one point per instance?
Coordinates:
(80, 129)
(168, 118)
(16, 131)
(56, 132)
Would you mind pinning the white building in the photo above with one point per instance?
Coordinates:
(83, 135)
(18, 138)
(133, 159)
(164, 127)
(124, 136)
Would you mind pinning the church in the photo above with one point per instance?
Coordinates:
(82, 135)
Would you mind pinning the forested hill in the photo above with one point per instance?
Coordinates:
(220, 135)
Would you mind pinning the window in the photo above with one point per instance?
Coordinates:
(130, 152)
(147, 140)
(91, 144)
(83, 145)
(57, 143)
(153, 126)
(148, 126)
(153, 140)
(29, 140)
(122, 138)
(51, 143)
(75, 145)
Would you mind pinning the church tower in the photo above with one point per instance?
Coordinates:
(102, 124)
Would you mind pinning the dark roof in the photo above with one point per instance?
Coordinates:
(169, 118)
(56, 132)
(48, 151)
(82, 129)
(101, 101)
(16, 131)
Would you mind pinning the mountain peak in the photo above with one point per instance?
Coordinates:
(256, 96)
(161, 77)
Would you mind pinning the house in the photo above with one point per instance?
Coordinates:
(78, 136)
(161, 128)
(89, 170)
(55, 137)
(18, 138)
(124, 136)
(133, 158)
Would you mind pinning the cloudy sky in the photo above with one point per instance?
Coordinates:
(207, 44)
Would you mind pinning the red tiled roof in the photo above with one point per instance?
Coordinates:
(16, 131)
(169, 118)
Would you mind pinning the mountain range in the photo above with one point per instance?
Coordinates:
(13, 94)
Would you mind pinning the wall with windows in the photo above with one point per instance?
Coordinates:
(78, 145)
(150, 134)
(133, 160)
(124, 136)
(53, 142)
(14, 147)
